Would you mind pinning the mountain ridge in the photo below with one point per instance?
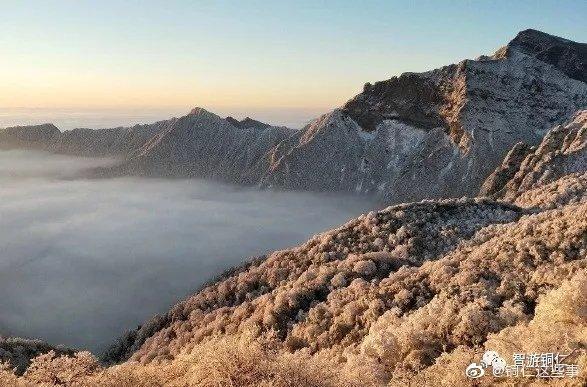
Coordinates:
(434, 134)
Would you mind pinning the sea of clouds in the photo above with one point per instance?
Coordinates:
(81, 261)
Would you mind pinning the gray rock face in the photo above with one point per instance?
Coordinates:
(565, 55)
(563, 151)
(506, 171)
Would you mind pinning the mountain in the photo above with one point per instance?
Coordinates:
(410, 294)
(565, 55)
(81, 142)
(202, 144)
(439, 133)
(34, 136)
(420, 135)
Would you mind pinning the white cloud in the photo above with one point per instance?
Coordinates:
(83, 260)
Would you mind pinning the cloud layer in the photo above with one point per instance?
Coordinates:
(81, 261)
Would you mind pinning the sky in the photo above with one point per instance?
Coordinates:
(238, 56)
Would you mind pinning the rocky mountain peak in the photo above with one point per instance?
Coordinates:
(198, 116)
(536, 37)
(199, 111)
(563, 151)
(568, 56)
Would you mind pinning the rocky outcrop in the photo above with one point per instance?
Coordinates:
(563, 151)
(506, 171)
(566, 55)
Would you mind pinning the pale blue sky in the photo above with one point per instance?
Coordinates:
(246, 54)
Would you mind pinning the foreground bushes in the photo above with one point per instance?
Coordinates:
(246, 361)
(227, 361)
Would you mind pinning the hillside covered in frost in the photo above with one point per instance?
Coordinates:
(409, 295)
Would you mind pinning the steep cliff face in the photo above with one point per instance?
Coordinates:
(563, 151)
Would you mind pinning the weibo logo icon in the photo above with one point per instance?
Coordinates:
(490, 358)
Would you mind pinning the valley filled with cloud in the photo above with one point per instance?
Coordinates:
(84, 260)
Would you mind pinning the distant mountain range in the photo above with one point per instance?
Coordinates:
(420, 135)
